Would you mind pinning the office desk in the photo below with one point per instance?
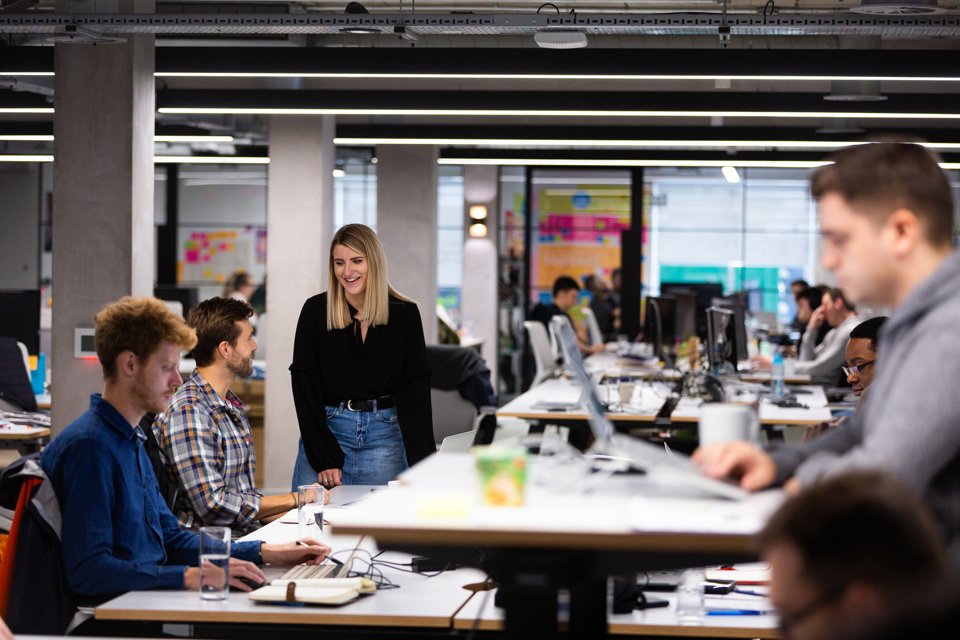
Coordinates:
(561, 539)
(611, 364)
(482, 614)
(420, 602)
(647, 400)
(25, 439)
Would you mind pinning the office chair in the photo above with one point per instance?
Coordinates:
(16, 392)
(593, 327)
(543, 354)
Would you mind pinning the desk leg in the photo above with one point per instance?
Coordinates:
(588, 608)
(529, 611)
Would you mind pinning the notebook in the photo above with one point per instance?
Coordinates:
(322, 591)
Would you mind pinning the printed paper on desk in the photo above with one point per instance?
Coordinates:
(696, 516)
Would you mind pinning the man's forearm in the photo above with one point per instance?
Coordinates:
(276, 505)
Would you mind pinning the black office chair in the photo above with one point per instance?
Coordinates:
(15, 388)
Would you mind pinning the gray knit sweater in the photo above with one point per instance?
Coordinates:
(909, 425)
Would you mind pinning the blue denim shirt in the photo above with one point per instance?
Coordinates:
(118, 534)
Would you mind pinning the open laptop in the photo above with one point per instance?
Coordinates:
(641, 455)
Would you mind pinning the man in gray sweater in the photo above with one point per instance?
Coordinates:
(886, 216)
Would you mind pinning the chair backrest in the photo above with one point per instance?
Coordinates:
(15, 384)
(593, 327)
(452, 414)
(543, 354)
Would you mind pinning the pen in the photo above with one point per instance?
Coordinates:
(735, 612)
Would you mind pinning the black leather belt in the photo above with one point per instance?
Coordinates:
(383, 402)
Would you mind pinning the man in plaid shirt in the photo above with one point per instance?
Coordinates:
(204, 435)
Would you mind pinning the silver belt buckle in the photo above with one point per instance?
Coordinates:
(350, 405)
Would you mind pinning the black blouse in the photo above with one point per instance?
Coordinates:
(330, 367)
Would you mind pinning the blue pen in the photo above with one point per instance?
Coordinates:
(735, 612)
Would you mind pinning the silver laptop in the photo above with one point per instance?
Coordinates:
(642, 455)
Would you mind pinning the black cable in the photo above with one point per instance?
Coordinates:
(548, 4)
(772, 6)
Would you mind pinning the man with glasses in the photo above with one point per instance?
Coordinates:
(853, 555)
(861, 360)
(887, 220)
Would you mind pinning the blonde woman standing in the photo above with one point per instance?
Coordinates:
(361, 384)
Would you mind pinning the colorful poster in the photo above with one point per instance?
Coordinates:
(578, 232)
(210, 256)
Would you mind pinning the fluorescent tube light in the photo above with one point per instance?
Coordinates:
(582, 113)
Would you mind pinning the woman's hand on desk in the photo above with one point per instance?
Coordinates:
(753, 468)
(307, 551)
(761, 363)
(242, 575)
(330, 477)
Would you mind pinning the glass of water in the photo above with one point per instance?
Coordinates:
(310, 511)
(214, 562)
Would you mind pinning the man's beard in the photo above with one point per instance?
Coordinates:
(241, 367)
(142, 392)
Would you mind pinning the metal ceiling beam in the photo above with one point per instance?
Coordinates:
(780, 24)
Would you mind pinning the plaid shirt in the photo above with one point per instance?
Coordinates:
(207, 448)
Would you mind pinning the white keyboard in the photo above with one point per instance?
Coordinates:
(308, 571)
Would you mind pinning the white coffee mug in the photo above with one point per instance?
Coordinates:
(726, 422)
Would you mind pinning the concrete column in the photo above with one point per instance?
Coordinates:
(20, 226)
(103, 236)
(407, 224)
(299, 221)
(480, 296)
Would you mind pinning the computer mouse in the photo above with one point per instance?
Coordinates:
(253, 584)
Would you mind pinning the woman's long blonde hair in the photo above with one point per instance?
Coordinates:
(376, 296)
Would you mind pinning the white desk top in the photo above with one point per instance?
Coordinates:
(647, 400)
(419, 602)
(439, 503)
(481, 613)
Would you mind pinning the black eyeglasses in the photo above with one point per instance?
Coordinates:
(856, 369)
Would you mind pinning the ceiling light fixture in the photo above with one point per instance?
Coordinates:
(646, 144)
(559, 113)
(614, 162)
(560, 39)
(193, 138)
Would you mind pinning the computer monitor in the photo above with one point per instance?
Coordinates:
(737, 330)
(685, 316)
(640, 454)
(704, 293)
(720, 339)
(655, 332)
(20, 317)
(186, 296)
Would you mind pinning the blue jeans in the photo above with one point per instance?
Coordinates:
(372, 447)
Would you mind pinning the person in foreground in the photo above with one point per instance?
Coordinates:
(204, 436)
(886, 216)
(854, 555)
(117, 533)
(361, 382)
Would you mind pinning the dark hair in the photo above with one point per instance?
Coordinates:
(837, 294)
(863, 527)
(239, 278)
(879, 178)
(800, 283)
(215, 321)
(813, 296)
(869, 330)
(564, 283)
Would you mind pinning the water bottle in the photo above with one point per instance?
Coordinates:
(776, 376)
(690, 600)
